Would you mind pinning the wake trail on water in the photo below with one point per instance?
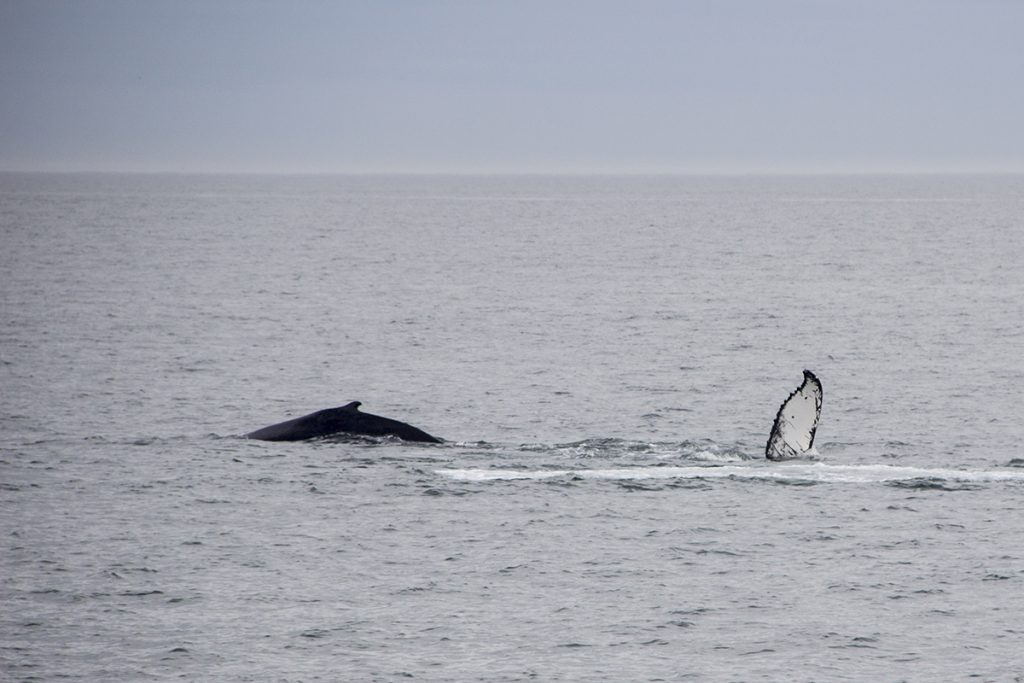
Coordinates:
(808, 473)
(609, 448)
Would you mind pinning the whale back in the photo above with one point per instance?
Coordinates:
(792, 434)
(346, 419)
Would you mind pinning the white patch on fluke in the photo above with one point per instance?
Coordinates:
(793, 432)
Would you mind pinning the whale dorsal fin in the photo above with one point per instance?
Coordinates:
(351, 407)
(797, 419)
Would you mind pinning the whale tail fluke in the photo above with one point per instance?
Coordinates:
(793, 432)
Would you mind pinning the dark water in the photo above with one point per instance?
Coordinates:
(605, 356)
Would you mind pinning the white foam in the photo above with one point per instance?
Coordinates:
(708, 456)
(796, 472)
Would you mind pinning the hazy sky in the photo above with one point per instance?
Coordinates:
(478, 85)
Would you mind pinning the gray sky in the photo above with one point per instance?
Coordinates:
(522, 86)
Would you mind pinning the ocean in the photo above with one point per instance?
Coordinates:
(604, 357)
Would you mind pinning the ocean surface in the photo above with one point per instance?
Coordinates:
(604, 357)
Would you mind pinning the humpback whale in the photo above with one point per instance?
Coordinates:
(793, 432)
(344, 420)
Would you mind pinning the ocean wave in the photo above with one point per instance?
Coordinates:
(702, 450)
(786, 473)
